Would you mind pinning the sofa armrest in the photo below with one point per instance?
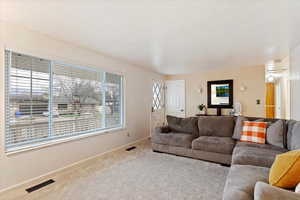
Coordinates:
(162, 129)
(264, 191)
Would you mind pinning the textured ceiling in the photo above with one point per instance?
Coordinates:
(169, 37)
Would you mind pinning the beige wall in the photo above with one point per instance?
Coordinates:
(138, 97)
(295, 82)
(251, 77)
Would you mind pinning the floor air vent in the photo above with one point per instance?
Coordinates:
(130, 148)
(39, 186)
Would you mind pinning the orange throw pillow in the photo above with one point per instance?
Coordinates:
(254, 132)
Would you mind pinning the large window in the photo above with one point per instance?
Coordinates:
(47, 100)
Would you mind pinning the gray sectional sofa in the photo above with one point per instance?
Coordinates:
(216, 139)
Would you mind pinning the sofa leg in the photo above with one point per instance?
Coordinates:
(225, 165)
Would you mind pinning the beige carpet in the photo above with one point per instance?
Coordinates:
(154, 176)
(135, 175)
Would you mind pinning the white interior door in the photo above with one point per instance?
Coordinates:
(175, 98)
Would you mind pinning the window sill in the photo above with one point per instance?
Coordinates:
(16, 150)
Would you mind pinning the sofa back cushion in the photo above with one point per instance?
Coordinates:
(293, 135)
(183, 125)
(221, 126)
(275, 133)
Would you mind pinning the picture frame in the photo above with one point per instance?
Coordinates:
(220, 94)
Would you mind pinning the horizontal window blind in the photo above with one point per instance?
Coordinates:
(28, 98)
(82, 91)
(47, 100)
(113, 101)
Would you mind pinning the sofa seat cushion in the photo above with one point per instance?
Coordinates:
(222, 145)
(255, 145)
(173, 139)
(241, 180)
(254, 154)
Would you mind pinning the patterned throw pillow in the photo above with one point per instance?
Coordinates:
(254, 132)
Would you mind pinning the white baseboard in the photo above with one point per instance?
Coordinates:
(71, 165)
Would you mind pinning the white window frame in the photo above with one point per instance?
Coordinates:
(51, 140)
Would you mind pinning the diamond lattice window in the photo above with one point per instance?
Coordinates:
(157, 96)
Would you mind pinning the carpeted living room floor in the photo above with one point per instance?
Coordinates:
(139, 174)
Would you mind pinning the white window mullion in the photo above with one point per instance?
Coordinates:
(50, 100)
(31, 93)
(103, 118)
(122, 103)
(8, 61)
